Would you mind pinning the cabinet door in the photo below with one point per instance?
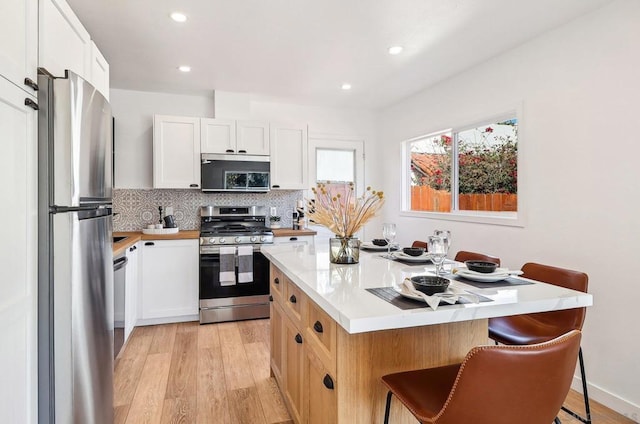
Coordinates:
(18, 256)
(217, 136)
(176, 152)
(289, 157)
(19, 41)
(294, 369)
(169, 279)
(252, 138)
(63, 42)
(132, 281)
(322, 406)
(277, 326)
(99, 71)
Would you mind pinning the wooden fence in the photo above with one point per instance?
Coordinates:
(425, 198)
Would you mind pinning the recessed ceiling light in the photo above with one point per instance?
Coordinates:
(346, 86)
(178, 17)
(395, 50)
(184, 68)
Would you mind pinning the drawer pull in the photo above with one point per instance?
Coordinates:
(230, 151)
(270, 298)
(29, 83)
(193, 185)
(293, 238)
(242, 151)
(318, 327)
(149, 243)
(293, 299)
(276, 280)
(328, 382)
(298, 338)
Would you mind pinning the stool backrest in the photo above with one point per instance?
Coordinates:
(463, 255)
(569, 319)
(512, 384)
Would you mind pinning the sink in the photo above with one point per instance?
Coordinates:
(117, 239)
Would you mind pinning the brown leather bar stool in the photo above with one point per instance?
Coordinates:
(540, 327)
(493, 385)
(418, 243)
(463, 255)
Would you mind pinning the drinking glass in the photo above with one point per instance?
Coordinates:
(445, 234)
(389, 234)
(437, 247)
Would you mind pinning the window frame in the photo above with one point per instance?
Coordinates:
(515, 219)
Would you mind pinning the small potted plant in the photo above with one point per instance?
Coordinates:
(274, 221)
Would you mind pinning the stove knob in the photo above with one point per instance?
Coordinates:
(263, 239)
(222, 240)
(212, 240)
(238, 239)
(254, 239)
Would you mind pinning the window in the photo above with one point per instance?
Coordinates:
(465, 171)
(336, 162)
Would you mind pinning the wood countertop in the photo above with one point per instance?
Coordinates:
(132, 237)
(288, 232)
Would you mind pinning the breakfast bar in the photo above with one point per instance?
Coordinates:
(332, 339)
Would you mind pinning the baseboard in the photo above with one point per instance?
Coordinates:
(608, 399)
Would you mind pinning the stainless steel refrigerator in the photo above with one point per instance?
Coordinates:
(75, 260)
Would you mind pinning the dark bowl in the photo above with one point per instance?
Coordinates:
(481, 266)
(413, 251)
(379, 242)
(429, 284)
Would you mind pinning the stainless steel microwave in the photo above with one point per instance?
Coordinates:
(239, 173)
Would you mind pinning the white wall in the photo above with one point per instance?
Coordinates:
(579, 88)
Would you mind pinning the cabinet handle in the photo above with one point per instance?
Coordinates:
(270, 298)
(242, 151)
(298, 338)
(293, 299)
(131, 249)
(293, 238)
(193, 185)
(328, 382)
(149, 243)
(30, 83)
(318, 327)
(230, 151)
(275, 186)
(276, 280)
(135, 247)
(33, 105)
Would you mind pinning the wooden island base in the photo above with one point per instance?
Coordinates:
(327, 375)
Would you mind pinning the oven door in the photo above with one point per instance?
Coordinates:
(230, 303)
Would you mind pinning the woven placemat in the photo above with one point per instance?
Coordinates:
(396, 299)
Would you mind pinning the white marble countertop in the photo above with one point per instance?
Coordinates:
(340, 291)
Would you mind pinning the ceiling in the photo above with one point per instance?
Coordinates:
(302, 51)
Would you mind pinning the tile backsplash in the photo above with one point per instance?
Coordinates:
(134, 209)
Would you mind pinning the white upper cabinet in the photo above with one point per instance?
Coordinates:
(99, 71)
(289, 151)
(63, 42)
(253, 138)
(227, 136)
(176, 152)
(19, 42)
(218, 135)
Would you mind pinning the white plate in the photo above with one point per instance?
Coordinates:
(482, 278)
(160, 231)
(401, 256)
(367, 245)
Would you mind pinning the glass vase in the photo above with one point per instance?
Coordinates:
(344, 250)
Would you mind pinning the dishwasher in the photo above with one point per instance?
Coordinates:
(119, 265)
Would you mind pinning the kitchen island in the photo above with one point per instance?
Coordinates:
(331, 340)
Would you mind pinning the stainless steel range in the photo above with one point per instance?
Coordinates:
(234, 275)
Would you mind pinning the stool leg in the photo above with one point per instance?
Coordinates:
(387, 408)
(585, 394)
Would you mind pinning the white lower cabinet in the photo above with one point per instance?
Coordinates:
(169, 281)
(132, 281)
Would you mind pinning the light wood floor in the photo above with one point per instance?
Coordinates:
(219, 374)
